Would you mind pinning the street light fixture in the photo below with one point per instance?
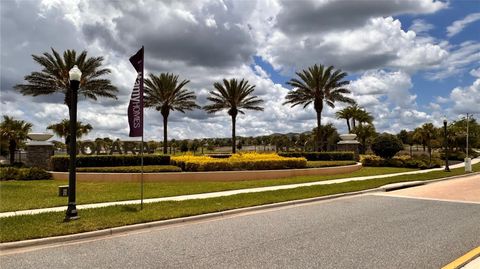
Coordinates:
(74, 74)
(447, 169)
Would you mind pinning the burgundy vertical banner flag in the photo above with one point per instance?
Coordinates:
(135, 108)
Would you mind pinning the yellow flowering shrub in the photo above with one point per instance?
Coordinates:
(239, 161)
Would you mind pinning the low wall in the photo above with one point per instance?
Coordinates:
(208, 176)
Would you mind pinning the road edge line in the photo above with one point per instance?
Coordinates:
(464, 260)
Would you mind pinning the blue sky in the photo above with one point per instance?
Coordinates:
(409, 61)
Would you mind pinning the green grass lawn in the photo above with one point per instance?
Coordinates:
(51, 224)
(20, 195)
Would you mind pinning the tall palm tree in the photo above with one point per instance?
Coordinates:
(54, 76)
(318, 85)
(362, 116)
(164, 93)
(13, 131)
(61, 129)
(345, 114)
(234, 96)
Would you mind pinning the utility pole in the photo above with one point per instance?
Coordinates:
(468, 161)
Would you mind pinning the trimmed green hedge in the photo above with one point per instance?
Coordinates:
(322, 156)
(60, 163)
(245, 165)
(132, 169)
(320, 164)
(33, 173)
(458, 155)
(401, 161)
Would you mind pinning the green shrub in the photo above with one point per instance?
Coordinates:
(400, 161)
(320, 164)
(247, 165)
(239, 161)
(60, 163)
(322, 156)
(458, 155)
(9, 173)
(33, 173)
(220, 155)
(15, 164)
(386, 146)
(131, 169)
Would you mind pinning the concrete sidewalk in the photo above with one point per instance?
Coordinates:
(222, 193)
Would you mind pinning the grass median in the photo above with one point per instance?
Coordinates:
(51, 224)
(21, 195)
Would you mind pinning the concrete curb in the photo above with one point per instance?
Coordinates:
(156, 224)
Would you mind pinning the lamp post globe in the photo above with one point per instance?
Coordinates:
(74, 75)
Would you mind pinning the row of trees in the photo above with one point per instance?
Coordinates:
(14, 132)
(431, 137)
(317, 85)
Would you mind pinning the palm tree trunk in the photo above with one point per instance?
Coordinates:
(165, 132)
(348, 125)
(353, 123)
(233, 134)
(12, 146)
(319, 131)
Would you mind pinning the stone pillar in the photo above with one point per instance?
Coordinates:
(349, 143)
(39, 150)
(39, 155)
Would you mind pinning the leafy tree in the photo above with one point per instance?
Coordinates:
(318, 85)
(62, 129)
(14, 132)
(54, 77)
(386, 145)
(165, 93)
(184, 146)
(235, 97)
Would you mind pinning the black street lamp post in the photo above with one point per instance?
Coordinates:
(75, 74)
(447, 169)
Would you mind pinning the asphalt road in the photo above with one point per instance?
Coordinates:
(367, 231)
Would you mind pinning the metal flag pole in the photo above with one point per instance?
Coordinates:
(143, 129)
(141, 176)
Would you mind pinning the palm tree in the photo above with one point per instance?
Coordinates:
(54, 76)
(362, 116)
(61, 129)
(426, 134)
(318, 85)
(13, 131)
(164, 93)
(329, 134)
(345, 114)
(365, 133)
(235, 97)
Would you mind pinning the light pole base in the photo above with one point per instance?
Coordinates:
(468, 165)
(72, 213)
